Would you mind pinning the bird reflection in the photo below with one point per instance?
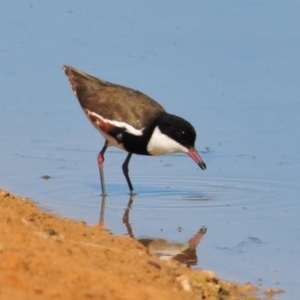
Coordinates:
(184, 253)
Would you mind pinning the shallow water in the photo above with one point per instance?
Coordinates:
(230, 68)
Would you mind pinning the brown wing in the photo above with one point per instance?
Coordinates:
(112, 101)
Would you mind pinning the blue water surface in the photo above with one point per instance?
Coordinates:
(229, 67)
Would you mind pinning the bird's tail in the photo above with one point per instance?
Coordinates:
(83, 84)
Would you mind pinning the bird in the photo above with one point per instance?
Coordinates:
(130, 121)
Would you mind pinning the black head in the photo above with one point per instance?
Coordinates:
(177, 129)
(180, 131)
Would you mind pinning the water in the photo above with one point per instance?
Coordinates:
(231, 68)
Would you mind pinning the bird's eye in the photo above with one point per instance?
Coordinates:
(183, 134)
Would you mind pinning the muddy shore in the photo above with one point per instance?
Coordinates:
(44, 256)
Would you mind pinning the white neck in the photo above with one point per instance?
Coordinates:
(160, 143)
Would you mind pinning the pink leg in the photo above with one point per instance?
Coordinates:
(102, 212)
(100, 164)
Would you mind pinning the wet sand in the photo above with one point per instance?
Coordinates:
(43, 256)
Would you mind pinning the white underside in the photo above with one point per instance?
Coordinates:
(160, 143)
(111, 141)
